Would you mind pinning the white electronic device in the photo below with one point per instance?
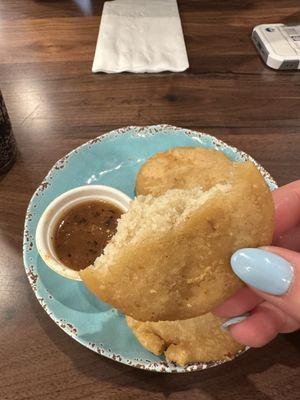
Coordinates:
(278, 45)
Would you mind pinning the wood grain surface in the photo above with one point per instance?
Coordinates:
(56, 103)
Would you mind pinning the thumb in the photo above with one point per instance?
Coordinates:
(273, 273)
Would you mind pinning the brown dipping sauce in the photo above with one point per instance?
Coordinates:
(82, 233)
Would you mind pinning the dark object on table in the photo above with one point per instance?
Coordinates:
(8, 148)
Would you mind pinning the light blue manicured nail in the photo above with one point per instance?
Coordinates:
(263, 270)
(233, 321)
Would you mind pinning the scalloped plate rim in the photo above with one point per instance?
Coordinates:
(151, 130)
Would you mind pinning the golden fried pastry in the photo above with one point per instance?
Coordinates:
(170, 257)
(183, 168)
(191, 340)
(195, 339)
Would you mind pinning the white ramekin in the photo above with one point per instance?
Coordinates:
(58, 207)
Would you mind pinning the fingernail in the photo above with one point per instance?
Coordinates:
(233, 321)
(263, 270)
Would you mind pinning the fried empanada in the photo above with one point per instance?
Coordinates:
(170, 257)
(183, 168)
(199, 339)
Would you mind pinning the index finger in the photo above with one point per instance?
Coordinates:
(287, 208)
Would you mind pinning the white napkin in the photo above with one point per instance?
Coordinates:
(140, 36)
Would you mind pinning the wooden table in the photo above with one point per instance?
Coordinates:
(56, 103)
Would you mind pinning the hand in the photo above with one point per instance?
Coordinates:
(272, 275)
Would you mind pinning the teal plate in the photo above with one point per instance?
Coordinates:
(112, 159)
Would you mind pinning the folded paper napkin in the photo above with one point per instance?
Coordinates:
(140, 36)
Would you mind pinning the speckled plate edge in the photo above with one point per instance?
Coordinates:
(162, 366)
